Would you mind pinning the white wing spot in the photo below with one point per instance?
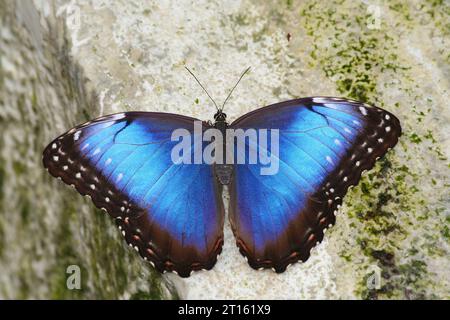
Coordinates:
(78, 175)
(345, 179)
(387, 117)
(92, 186)
(387, 129)
(331, 190)
(119, 177)
(108, 161)
(55, 158)
(363, 111)
(65, 168)
(85, 146)
(54, 146)
(347, 130)
(356, 122)
(96, 151)
(337, 142)
(123, 233)
(369, 150)
(380, 140)
(122, 209)
(76, 136)
(358, 163)
(107, 199)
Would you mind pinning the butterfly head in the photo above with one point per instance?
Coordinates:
(220, 116)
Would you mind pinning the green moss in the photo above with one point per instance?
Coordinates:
(25, 209)
(2, 238)
(65, 256)
(34, 101)
(414, 138)
(384, 231)
(2, 180)
(241, 20)
(446, 232)
(355, 61)
(430, 136)
(390, 200)
(23, 290)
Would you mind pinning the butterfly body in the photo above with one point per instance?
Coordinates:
(172, 213)
(223, 170)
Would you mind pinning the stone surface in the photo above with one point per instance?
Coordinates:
(63, 62)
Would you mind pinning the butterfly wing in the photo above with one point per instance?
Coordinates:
(324, 146)
(172, 214)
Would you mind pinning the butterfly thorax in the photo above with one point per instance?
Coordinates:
(222, 171)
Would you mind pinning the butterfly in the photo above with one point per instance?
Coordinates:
(173, 214)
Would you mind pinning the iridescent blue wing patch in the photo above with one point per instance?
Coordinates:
(171, 214)
(324, 146)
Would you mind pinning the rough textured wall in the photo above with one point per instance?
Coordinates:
(63, 62)
(44, 226)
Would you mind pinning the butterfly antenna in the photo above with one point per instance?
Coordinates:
(198, 81)
(240, 78)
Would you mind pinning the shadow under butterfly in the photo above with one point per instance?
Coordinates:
(173, 214)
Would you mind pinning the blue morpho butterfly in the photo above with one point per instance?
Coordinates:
(173, 214)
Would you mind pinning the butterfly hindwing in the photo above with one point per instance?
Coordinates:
(324, 146)
(172, 214)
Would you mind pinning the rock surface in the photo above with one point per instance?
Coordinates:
(64, 62)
